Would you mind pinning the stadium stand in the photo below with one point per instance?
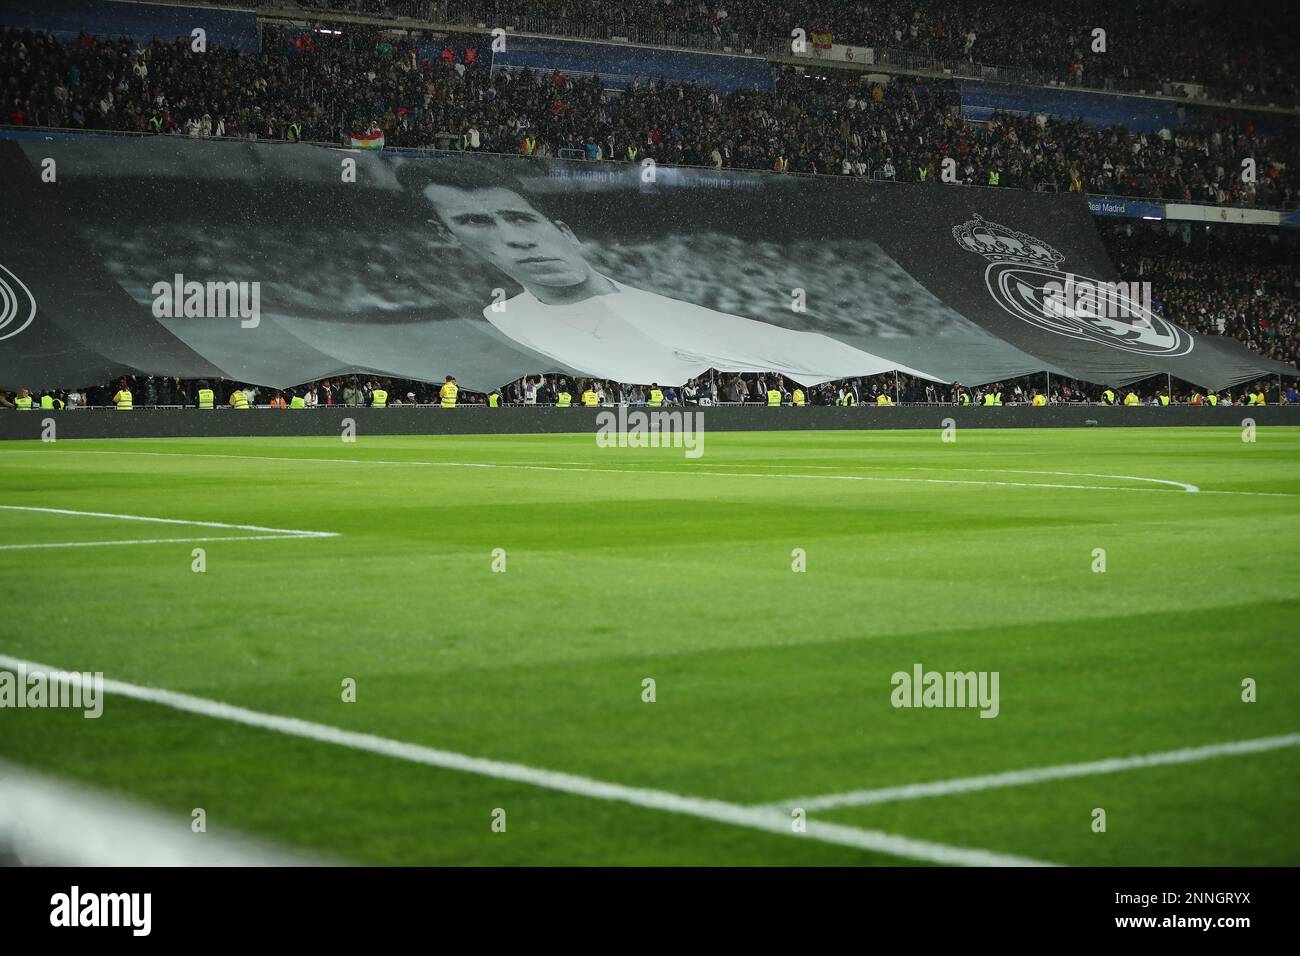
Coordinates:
(308, 85)
(901, 131)
(1214, 50)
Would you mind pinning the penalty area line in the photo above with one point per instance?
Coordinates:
(756, 818)
(282, 532)
(100, 544)
(1020, 778)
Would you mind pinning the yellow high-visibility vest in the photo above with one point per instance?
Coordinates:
(1108, 397)
(379, 398)
(448, 395)
(1212, 399)
(773, 397)
(1039, 400)
(239, 400)
(884, 400)
(563, 400)
(297, 402)
(47, 403)
(206, 398)
(589, 397)
(797, 396)
(997, 399)
(494, 400)
(849, 399)
(656, 398)
(1131, 399)
(990, 399)
(24, 403)
(1164, 399)
(122, 400)
(965, 399)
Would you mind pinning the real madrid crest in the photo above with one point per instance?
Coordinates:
(17, 304)
(1024, 278)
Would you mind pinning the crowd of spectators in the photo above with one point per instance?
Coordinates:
(714, 388)
(1234, 52)
(1238, 281)
(1212, 48)
(328, 87)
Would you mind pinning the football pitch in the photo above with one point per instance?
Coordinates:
(566, 654)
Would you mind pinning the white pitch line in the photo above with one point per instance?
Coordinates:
(99, 544)
(1088, 474)
(1020, 778)
(686, 472)
(755, 818)
(289, 532)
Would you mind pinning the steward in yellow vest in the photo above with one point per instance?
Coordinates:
(1039, 401)
(590, 398)
(656, 396)
(989, 399)
(1164, 399)
(1108, 397)
(1212, 398)
(563, 400)
(883, 399)
(206, 398)
(773, 397)
(1132, 399)
(997, 399)
(379, 398)
(848, 398)
(797, 397)
(964, 398)
(447, 394)
(47, 403)
(1196, 399)
(297, 402)
(494, 400)
(122, 400)
(239, 400)
(23, 401)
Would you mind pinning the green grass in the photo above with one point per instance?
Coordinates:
(770, 684)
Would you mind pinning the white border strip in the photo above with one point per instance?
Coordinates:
(1020, 778)
(756, 818)
(47, 822)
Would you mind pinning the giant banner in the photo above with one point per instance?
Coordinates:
(282, 264)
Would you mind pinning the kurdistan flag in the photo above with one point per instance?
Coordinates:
(372, 140)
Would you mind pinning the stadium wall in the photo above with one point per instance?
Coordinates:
(66, 19)
(425, 420)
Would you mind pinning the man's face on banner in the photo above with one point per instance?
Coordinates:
(504, 228)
